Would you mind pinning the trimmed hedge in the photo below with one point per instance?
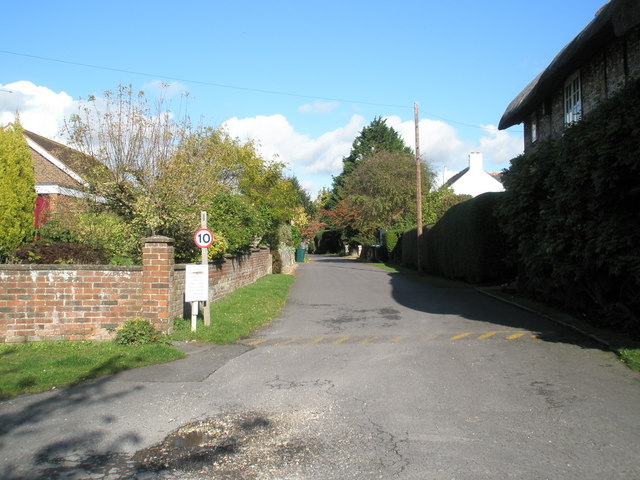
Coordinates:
(392, 245)
(467, 244)
(328, 241)
(571, 214)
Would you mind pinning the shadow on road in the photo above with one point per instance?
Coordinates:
(74, 452)
(471, 304)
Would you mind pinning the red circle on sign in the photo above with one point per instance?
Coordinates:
(203, 238)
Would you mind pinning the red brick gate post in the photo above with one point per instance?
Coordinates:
(157, 280)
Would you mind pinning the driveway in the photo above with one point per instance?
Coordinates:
(365, 375)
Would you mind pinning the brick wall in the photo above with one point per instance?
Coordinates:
(224, 277)
(79, 302)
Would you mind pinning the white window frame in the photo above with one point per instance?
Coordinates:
(534, 127)
(572, 99)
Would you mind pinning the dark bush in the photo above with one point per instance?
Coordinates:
(328, 241)
(571, 214)
(467, 244)
(61, 252)
(392, 245)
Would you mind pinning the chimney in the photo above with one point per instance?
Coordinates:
(475, 161)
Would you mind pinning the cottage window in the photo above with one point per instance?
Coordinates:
(534, 128)
(572, 99)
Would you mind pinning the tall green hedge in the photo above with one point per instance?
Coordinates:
(571, 212)
(467, 243)
(17, 190)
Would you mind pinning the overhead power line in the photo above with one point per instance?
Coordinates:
(222, 85)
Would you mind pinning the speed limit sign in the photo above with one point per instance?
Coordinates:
(203, 238)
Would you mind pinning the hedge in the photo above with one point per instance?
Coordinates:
(571, 214)
(467, 244)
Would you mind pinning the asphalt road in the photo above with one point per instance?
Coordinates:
(365, 375)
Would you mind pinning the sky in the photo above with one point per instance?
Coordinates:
(299, 78)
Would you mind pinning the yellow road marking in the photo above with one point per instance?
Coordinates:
(487, 335)
(516, 335)
(340, 340)
(368, 340)
(398, 339)
(316, 341)
(253, 343)
(287, 342)
(433, 336)
(462, 335)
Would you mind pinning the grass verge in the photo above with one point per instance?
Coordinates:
(239, 313)
(627, 349)
(40, 366)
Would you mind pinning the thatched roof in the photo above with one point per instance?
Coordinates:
(613, 20)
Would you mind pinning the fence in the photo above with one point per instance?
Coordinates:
(85, 302)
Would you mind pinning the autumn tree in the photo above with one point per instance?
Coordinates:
(17, 189)
(382, 188)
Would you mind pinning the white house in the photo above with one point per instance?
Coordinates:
(473, 180)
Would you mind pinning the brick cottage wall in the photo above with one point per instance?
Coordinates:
(78, 302)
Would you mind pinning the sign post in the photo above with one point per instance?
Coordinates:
(203, 238)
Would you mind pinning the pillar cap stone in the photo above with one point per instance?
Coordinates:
(158, 239)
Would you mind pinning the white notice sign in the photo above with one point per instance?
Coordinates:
(196, 283)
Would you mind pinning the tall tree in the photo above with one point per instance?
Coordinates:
(133, 140)
(374, 138)
(382, 188)
(17, 189)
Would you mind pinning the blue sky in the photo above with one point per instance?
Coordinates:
(301, 77)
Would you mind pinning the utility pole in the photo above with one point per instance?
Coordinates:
(418, 186)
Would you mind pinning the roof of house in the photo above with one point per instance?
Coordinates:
(613, 20)
(456, 177)
(72, 160)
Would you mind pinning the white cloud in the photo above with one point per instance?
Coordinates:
(276, 137)
(312, 160)
(441, 146)
(319, 107)
(499, 146)
(41, 110)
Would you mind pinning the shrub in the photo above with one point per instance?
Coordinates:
(392, 245)
(328, 241)
(61, 252)
(571, 214)
(120, 241)
(237, 220)
(276, 261)
(139, 332)
(17, 191)
(467, 244)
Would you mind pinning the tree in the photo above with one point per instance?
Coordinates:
(17, 189)
(133, 142)
(375, 137)
(436, 203)
(382, 188)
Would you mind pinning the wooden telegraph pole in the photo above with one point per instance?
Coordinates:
(418, 186)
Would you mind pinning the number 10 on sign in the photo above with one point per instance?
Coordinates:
(203, 238)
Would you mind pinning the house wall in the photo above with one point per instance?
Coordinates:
(602, 76)
(78, 302)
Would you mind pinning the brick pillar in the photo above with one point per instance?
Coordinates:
(157, 280)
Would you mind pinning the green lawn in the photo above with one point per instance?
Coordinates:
(239, 313)
(40, 366)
